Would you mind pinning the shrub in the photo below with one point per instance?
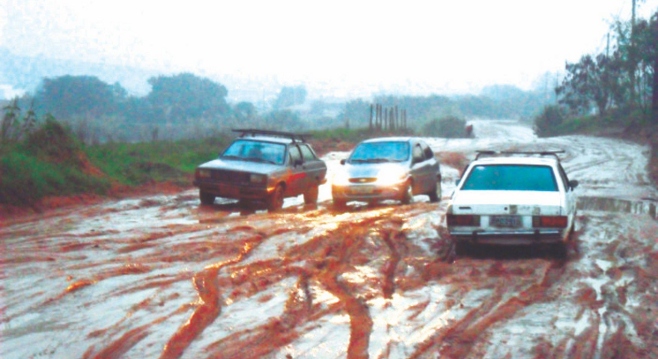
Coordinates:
(447, 127)
(548, 123)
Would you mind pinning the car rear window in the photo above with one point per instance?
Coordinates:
(511, 178)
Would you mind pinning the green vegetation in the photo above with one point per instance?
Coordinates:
(447, 127)
(44, 162)
(49, 160)
(40, 159)
(615, 89)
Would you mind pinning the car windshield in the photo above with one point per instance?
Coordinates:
(256, 151)
(511, 178)
(389, 151)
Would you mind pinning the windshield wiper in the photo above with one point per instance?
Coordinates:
(231, 157)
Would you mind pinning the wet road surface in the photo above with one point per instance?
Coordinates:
(162, 277)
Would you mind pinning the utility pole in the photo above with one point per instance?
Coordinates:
(632, 57)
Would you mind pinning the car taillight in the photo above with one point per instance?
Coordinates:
(550, 221)
(463, 220)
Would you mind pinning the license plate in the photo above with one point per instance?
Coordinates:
(362, 189)
(505, 221)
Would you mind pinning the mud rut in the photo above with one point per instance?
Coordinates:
(163, 277)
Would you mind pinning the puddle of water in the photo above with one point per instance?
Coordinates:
(608, 204)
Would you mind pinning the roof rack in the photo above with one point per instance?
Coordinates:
(528, 153)
(244, 132)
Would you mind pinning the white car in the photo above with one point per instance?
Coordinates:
(513, 198)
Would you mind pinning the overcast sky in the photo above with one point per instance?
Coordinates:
(442, 46)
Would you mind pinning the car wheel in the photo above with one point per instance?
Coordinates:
(560, 250)
(206, 198)
(435, 195)
(462, 248)
(275, 202)
(407, 194)
(311, 195)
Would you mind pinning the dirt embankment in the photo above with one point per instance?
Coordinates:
(646, 135)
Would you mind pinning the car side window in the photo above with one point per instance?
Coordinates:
(427, 151)
(307, 153)
(418, 153)
(295, 155)
(563, 176)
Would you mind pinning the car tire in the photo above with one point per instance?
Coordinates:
(435, 195)
(275, 201)
(560, 250)
(206, 198)
(407, 193)
(462, 248)
(311, 195)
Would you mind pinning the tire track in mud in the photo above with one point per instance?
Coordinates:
(460, 339)
(327, 258)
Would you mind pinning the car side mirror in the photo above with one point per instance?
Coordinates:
(297, 163)
(343, 161)
(573, 184)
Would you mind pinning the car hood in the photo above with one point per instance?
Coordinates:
(241, 166)
(371, 170)
(508, 202)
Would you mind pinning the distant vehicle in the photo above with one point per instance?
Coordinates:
(388, 168)
(513, 198)
(265, 166)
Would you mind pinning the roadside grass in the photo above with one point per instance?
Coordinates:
(46, 163)
(138, 163)
(51, 162)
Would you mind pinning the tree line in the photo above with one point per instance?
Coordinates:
(619, 82)
(188, 106)
(178, 106)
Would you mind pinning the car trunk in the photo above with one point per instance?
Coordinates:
(524, 203)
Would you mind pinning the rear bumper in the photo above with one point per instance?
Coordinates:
(525, 237)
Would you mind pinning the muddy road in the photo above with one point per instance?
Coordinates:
(162, 277)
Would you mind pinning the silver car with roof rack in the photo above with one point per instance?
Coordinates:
(513, 198)
(263, 165)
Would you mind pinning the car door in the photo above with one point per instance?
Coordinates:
(421, 169)
(569, 192)
(297, 180)
(315, 168)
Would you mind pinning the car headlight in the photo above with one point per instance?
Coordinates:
(340, 179)
(203, 173)
(257, 178)
(391, 176)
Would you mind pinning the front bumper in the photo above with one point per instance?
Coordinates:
(227, 190)
(368, 192)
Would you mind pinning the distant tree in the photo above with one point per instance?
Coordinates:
(357, 112)
(549, 121)
(646, 33)
(68, 96)
(290, 96)
(185, 96)
(283, 120)
(592, 83)
(245, 110)
(446, 127)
